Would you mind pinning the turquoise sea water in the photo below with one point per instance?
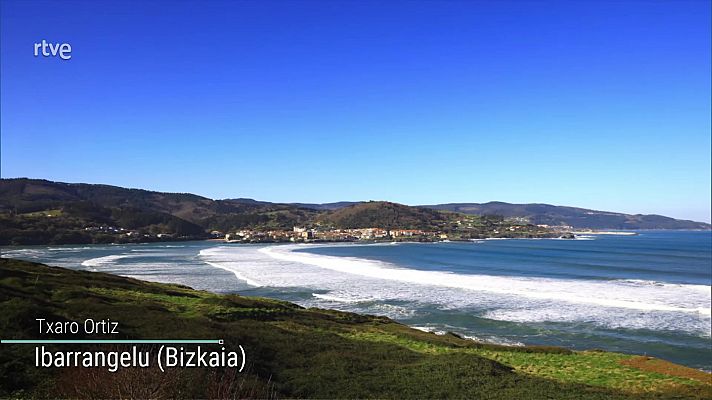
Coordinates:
(645, 294)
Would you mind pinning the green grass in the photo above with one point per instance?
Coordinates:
(596, 368)
(292, 351)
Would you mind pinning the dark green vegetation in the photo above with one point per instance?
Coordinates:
(34, 211)
(385, 215)
(454, 226)
(42, 212)
(296, 352)
(571, 216)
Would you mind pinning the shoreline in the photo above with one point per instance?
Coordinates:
(616, 233)
(253, 271)
(222, 240)
(380, 341)
(414, 327)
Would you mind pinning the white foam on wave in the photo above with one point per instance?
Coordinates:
(430, 329)
(423, 328)
(687, 286)
(439, 329)
(601, 293)
(20, 253)
(105, 260)
(391, 310)
(584, 237)
(237, 273)
(624, 303)
(493, 340)
(659, 321)
(340, 299)
(68, 248)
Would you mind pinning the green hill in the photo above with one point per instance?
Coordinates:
(35, 211)
(383, 214)
(294, 352)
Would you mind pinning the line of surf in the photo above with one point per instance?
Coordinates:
(615, 294)
(105, 260)
(237, 273)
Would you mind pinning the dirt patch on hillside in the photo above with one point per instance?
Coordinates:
(665, 367)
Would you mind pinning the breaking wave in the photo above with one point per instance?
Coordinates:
(349, 281)
(106, 260)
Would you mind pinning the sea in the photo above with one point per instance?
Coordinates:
(646, 294)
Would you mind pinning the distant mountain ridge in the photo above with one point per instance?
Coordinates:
(581, 218)
(76, 206)
(547, 214)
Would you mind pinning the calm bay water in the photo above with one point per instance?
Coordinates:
(645, 294)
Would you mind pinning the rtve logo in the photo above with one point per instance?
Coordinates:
(63, 50)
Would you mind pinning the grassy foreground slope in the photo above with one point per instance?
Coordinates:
(296, 352)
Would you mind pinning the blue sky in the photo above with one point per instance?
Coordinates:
(595, 104)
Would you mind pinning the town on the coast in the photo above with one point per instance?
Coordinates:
(375, 234)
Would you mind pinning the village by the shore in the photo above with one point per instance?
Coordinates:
(375, 234)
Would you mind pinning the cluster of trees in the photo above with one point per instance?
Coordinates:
(385, 215)
(84, 223)
(266, 218)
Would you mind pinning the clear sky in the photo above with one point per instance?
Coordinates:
(596, 104)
